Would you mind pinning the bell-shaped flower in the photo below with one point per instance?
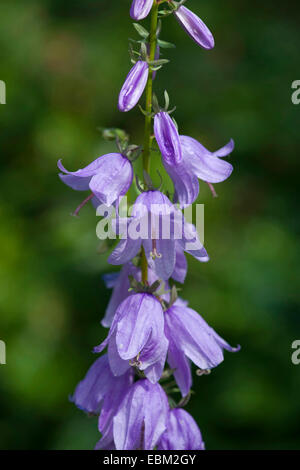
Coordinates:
(134, 86)
(108, 177)
(141, 418)
(167, 137)
(136, 337)
(140, 9)
(120, 284)
(98, 384)
(195, 27)
(182, 432)
(161, 229)
(191, 336)
(197, 162)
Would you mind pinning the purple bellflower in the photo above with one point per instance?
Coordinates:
(154, 212)
(98, 385)
(136, 337)
(134, 86)
(197, 162)
(108, 177)
(182, 432)
(167, 138)
(141, 418)
(189, 335)
(120, 284)
(195, 27)
(140, 9)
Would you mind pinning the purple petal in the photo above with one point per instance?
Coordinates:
(195, 27)
(140, 9)
(136, 328)
(186, 330)
(86, 172)
(134, 86)
(203, 164)
(120, 292)
(91, 390)
(181, 365)
(126, 250)
(118, 366)
(167, 138)
(113, 400)
(127, 423)
(113, 179)
(224, 151)
(156, 412)
(180, 268)
(141, 418)
(185, 183)
(182, 432)
(75, 182)
(165, 262)
(191, 243)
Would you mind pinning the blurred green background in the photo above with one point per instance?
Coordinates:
(64, 64)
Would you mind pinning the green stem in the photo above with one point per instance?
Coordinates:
(148, 118)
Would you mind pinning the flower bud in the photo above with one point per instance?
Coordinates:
(134, 86)
(140, 9)
(195, 27)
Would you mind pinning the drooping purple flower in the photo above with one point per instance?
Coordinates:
(108, 177)
(141, 418)
(160, 228)
(140, 9)
(190, 335)
(195, 27)
(120, 284)
(197, 162)
(137, 337)
(99, 383)
(207, 166)
(182, 432)
(167, 138)
(134, 86)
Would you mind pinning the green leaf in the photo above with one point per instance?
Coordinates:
(141, 30)
(165, 44)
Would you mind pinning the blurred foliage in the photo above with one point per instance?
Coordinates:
(64, 63)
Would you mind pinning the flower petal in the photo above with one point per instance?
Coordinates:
(181, 365)
(137, 327)
(182, 432)
(180, 268)
(126, 250)
(140, 9)
(224, 151)
(134, 86)
(204, 165)
(113, 178)
(195, 27)
(186, 329)
(185, 183)
(167, 138)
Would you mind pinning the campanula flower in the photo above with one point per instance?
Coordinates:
(136, 337)
(120, 284)
(98, 384)
(160, 228)
(182, 432)
(167, 137)
(141, 418)
(134, 86)
(190, 335)
(140, 9)
(108, 177)
(195, 27)
(197, 162)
